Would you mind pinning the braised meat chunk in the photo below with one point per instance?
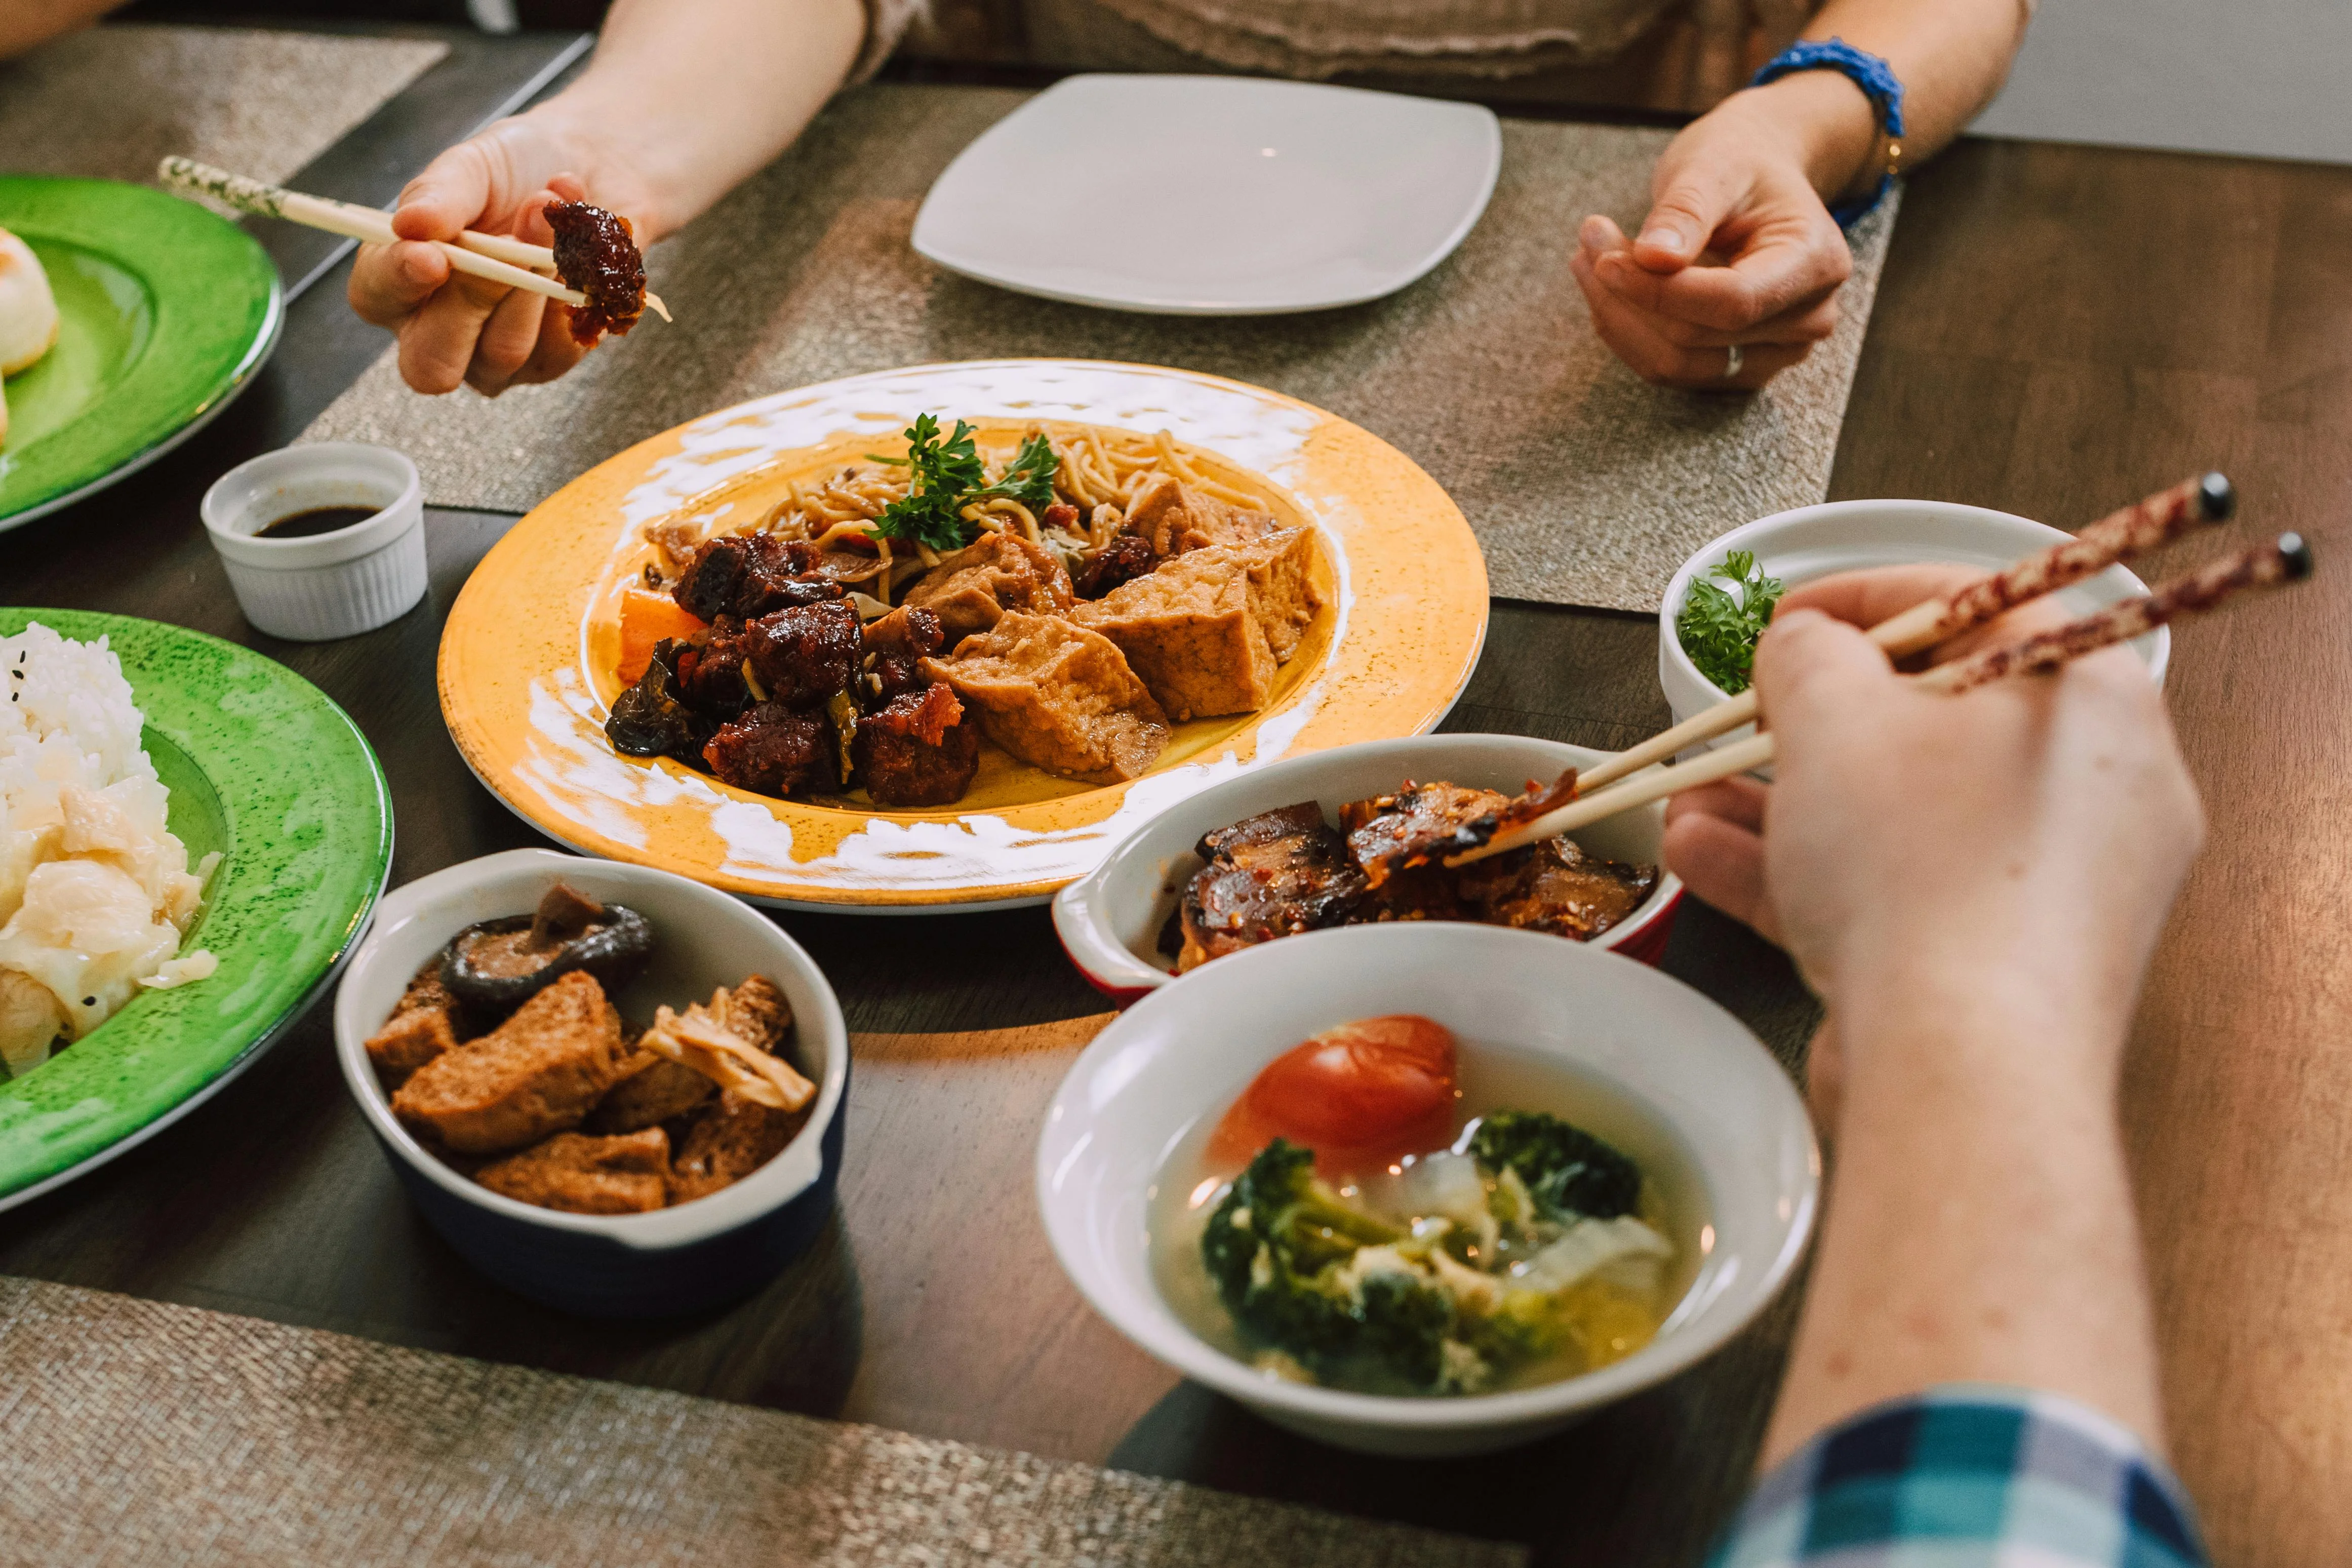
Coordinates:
(1208, 631)
(751, 575)
(1274, 874)
(1421, 823)
(710, 677)
(537, 1073)
(895, 646)
(1057, 697)
(596, 253)
(801, 656)
(1555, 886)
(918, 750)
(1126, 556)
(776, 750)
(999, 571)
(581, 1175)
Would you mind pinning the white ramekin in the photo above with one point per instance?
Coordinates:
(329, 585)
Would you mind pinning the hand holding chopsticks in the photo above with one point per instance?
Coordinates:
(2284, 560)
(495, 258)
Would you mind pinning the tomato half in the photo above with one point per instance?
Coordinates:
(1360, 1094)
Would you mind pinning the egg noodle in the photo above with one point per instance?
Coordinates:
(1098, 471)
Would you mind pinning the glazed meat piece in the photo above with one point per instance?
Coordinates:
(596, 253)
(997, 573)
(918, 750)
(581, 1175)
(1057, 697)
(1555, 886)
(710, 677)
(801, 656)
(1274, 874)
(1173, 518)
(727, 1141)
(537, 1073)
(1208, 631)
(896, 647)
(751, 575)
(1126, 556)
(775, 750)
(1421, 823)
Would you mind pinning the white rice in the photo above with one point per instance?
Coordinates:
(95, 892)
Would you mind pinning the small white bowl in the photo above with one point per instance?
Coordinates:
(324, 586)
(630, 1265)
(1846, 535)
(1110, 920)
(1185, 1053)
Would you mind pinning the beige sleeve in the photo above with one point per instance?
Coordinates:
(887, 22)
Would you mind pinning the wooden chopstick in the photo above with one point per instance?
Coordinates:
(498, 258)
(2285, 560)
(2134, 531)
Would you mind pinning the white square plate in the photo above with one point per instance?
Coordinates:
(1200, 196)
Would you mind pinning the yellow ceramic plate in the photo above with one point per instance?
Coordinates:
(527, 659)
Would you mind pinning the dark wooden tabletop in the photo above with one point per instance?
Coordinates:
(2059, 328)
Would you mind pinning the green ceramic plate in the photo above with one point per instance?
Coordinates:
(167, 313)
(265, 768)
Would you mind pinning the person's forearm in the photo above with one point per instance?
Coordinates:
(1979, 1228)
(1951, 56)
(26, 22)
(697, 94)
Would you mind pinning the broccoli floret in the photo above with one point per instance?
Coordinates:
(1570, 1173)
(1287, 1255)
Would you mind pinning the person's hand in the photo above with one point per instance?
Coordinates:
(455, 327)
(2028, 836)
(1737, 248)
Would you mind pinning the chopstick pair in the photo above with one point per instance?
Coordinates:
(2157, 520)
(498, 258)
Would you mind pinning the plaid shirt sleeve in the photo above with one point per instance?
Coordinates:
(1968, 1476)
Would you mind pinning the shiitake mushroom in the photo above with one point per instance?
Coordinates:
(495, 967)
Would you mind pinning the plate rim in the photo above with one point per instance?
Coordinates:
(968, 898)
(221, 389)
(927, 244)
(360, 915)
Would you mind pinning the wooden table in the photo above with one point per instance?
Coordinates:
(2059, 327)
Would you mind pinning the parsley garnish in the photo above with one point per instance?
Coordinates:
(945, 476)
(1720, 631)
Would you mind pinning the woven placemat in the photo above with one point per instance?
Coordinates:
(1585, 486)
(109, 103)
(140, 1433)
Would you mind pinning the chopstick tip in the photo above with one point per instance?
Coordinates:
(2296, 554)
(2217, 498)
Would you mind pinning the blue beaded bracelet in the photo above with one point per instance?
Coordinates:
(1873, 75)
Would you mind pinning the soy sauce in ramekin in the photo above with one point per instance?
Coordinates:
(314, 520)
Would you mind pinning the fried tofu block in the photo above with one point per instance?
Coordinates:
(537, 1073)
(727, 1142)
(581, 1175)
(410, 1041)
(1174, 518)
(756, 1011)
(1208, 631)
(972, 590)
(422, 1026)
(655, 1089)
(1057, 697)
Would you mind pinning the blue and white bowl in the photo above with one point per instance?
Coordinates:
(680, 1259)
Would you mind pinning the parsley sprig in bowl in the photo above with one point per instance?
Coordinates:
(1727, 608)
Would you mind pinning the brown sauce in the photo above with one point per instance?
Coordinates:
(316, 520)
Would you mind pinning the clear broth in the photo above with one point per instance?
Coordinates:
(1493, 1078)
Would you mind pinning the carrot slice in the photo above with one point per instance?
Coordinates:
(646, 619)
